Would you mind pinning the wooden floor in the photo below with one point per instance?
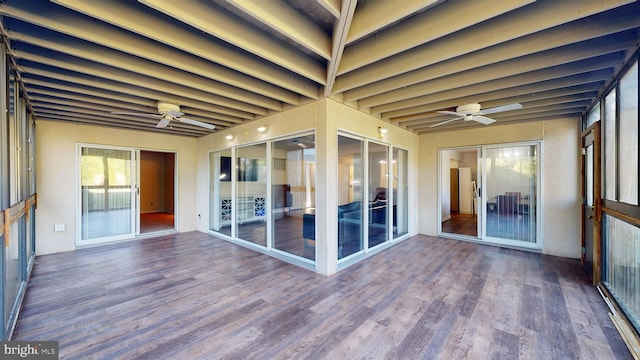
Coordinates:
(192, 296)
(461, 224)
(157, 221)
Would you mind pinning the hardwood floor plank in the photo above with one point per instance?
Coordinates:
(192, 295)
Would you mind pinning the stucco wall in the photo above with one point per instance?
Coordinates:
(560, 176)
(56, 169)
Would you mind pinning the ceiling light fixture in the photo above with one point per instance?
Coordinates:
(229, 137)
(381, 132)
(262, 128)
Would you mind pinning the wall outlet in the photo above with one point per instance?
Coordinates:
(58, 227)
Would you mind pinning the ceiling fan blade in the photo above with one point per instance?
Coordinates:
(460, 115)
(136, 114)
(483, 119)
(444, 122)
(497, 109)
(164, 122)
(196, 123)
(175, 114)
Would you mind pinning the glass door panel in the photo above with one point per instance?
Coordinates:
(250, 204)
(510, 193)
(294, 196)
(220, 199)
(378, 190)
(350, 196)
(107, 194)
(400, 192)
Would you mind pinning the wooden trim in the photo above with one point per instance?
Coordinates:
(7, 226)
(621, 216)
(14, 213)
(597, 201)
(627, 332)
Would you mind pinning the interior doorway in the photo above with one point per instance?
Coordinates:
(157, 191)
(459, 192)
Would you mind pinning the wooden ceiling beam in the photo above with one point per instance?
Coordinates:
(100, 54)
(125, 89)
(279, 16)
(373, 16)
(535, 18)
(204, 16)
(584, 68)
(421, 29)
(129, 16)
(90, 68)
(339, 39)
(64, 21)
(523, 65)
(499, 97)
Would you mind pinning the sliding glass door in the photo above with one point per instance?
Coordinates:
(107, 194)
(511, 185)
(250, 203)
(293, 196)
(503, 209)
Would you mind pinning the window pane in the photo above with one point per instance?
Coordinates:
(294, 196)
(251, 194)
(378, 190)
(350, 196)
(621, 265)
(106, 192)
(628, 146)
(400, 194)
(588, 175)
(511, 192)
(610, 157)
(593, 115)
(220, 203)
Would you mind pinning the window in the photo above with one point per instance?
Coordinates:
(628, 137)
(610, 150)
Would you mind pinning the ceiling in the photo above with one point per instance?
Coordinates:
(231, 62)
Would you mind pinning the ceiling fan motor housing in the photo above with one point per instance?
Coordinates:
(168, 108)
(469, 109)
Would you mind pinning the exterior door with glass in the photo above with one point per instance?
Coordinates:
(591, 258)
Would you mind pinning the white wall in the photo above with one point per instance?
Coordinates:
(560, 171)
(56, 169)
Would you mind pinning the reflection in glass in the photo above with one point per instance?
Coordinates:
(106, 192)
(628, 140)
(378, 189)
(220, 199)
(622, 265)
(250, 204)
(400, 192)
(610, 157)
(593, 115)
(294, 195)
(511, 192)
(350, 196)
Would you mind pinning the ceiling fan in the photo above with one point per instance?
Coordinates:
(472, 112)
(168, 112)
